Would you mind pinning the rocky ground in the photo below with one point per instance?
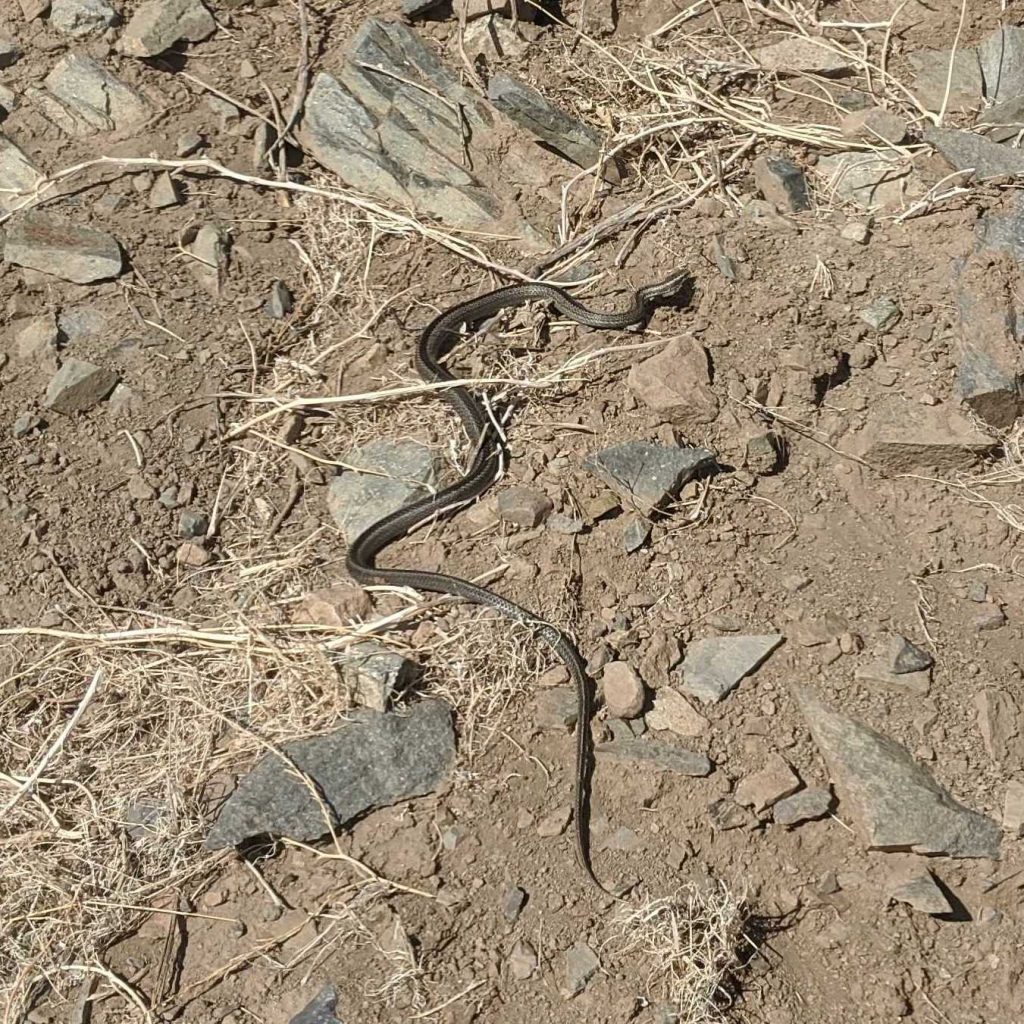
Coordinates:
(784, 521)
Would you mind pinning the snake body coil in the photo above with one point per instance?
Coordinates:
(435, 340)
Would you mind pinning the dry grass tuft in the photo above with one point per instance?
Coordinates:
(690, 940)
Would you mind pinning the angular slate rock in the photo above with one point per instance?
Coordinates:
(392, 122)
(714, 665)
(372, 760)
(384, 476)
(320, 1009)
(1002, 63)
(964, 150)
(922, 893)
(94, 99)
(933, 78)
(564, 134)
(581, 964)
(56, 246)
(157, 25)
(781, 182)
(78, 386)
(908, 657)
(807, 805)
(893, 799)
(647, 475)
(657, 755)
(375, 674)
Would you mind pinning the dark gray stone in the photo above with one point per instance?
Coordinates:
(807, 805)
(320, 1009)
(78, 386)
(1006, 120)
(647, 475)
(56, 246)
(893, 799)
(714, 665)
(1002, 63)
(990, 374)
(564, 134)
(414, 8)
(1004, 232)
(636, 534)
(280, 302)
(523, 506)
(781, 182)
(656, 754)
(372, 760)
(193, 524)
(922, 893)
(512, 903)
(908, 657)
(384, 476)
(966, 151)
(763, 454)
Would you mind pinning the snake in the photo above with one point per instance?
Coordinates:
(435, 341)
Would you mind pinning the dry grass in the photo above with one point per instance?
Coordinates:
(689, 942)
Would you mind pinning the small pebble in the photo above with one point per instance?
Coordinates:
(623, 690)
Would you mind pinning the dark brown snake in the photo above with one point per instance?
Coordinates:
(437, 338)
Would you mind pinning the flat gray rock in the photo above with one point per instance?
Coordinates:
(922, 893)
(714, 665)
(967, 151)
(1002, 63)
(81, 17)
(17, 174)
(372, 760)
(383, 476)
(581, 964)
(647, 475)
(78, 386)
(56, 246)
(893, 799)
(563, 133)
(871, 180)
(157, 25)
(807, 805)
(933, 79)
(92, 98)
(389, 122)
(657, 755)
(320, 1009)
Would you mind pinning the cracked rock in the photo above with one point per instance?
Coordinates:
(56, 246)
(384, 476)
(78, 386)
(647, 475)
(713, 666)
(893, 799)
(158, 24)
(371, 760)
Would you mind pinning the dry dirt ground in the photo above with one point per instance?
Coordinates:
(198, 669)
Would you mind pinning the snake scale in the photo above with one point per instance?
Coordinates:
(435, 341)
